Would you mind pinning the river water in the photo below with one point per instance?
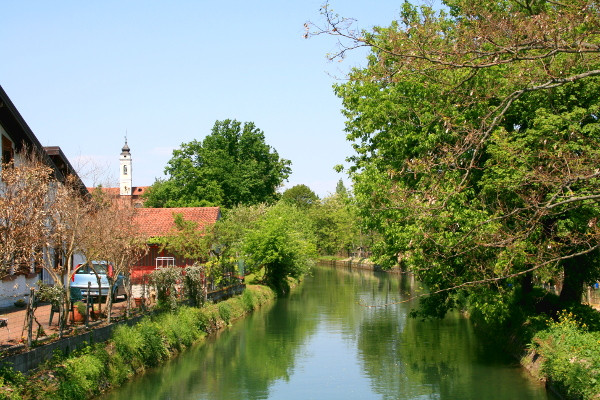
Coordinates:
(339, 336)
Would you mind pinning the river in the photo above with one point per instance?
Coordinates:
(338, 336)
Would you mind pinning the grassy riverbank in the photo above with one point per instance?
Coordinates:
(131, 350)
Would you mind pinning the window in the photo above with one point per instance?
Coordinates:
(124, 169)
(7, 150)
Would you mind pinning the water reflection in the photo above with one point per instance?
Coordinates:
(325, 342)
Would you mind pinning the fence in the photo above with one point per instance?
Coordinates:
(33, 323)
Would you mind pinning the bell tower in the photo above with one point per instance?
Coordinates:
(125, 170)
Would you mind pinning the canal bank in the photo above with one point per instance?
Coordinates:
(131, 350)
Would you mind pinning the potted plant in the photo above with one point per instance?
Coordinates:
(20, 303)
(78, 313)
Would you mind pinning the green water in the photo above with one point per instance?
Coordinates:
(325, 341)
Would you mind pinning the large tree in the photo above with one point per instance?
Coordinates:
(478, 144)
(282, 244)
(301, 196)
(231, 166)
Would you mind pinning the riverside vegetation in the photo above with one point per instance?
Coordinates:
(99, 367)
(477, 142)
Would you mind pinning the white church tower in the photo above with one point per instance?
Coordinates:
(125, 174)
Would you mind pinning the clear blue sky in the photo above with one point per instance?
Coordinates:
(82, 73)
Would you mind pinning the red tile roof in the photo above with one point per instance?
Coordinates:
(159, 221)
(114, 191)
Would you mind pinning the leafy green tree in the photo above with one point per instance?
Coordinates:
(186, 240)
(282, 243)
(233, 165)
(340, 189)
(477, 145)
(336, 225)
(227, 235)
(301, 196)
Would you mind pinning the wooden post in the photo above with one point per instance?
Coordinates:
(30, 317)
(143, 293)
(87, 306)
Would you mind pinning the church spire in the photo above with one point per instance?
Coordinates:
(125, 171)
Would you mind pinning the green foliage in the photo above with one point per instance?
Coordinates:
(80, 377)
(186, 240)
(282, 243)
(194, 281)
(301, 196)
(225, 312)
(229, 232)
(336, 225)
(129, 345)
(155, 344)
(164, 280)
(571, 356)
(86, 372)
(477, 150)
(11, 383)
(231, 166)
(249, 301)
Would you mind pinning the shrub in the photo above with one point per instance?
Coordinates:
(248, 300)
(80, 377)
(225, 312)
(195, 284)
(572, 356)
(164, 280)
(129, 345)
(155, 348)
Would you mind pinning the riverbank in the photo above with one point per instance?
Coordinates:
(130, 351)
(561, 350)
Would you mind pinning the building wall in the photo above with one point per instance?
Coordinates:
(18, 288)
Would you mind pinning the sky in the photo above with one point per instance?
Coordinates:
(83, 74)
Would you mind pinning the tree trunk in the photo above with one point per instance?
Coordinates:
(574, 277)
(527, 283)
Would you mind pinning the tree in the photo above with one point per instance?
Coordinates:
(24, 191)
(336, 225)
(233, 165)
(282, 243)
(477, 143)
(67, 210)
(301, 196)
(123, 245)
(340, 189)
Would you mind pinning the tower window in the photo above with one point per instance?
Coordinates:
(124, 169)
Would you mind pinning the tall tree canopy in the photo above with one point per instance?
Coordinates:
(231, 166)
(301, 196)
(478, 144)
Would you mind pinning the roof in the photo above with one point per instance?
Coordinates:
(115, 191)
(155, 222)
(24, 139)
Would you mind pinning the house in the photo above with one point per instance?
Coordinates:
(158, 222)
(16, 136)
(153, 222)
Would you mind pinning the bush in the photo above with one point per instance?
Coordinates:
(129, 345)
(572, 356)
(225, 312)
(155, 346)
(164, 280)
(248, 300)
(80, 377)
